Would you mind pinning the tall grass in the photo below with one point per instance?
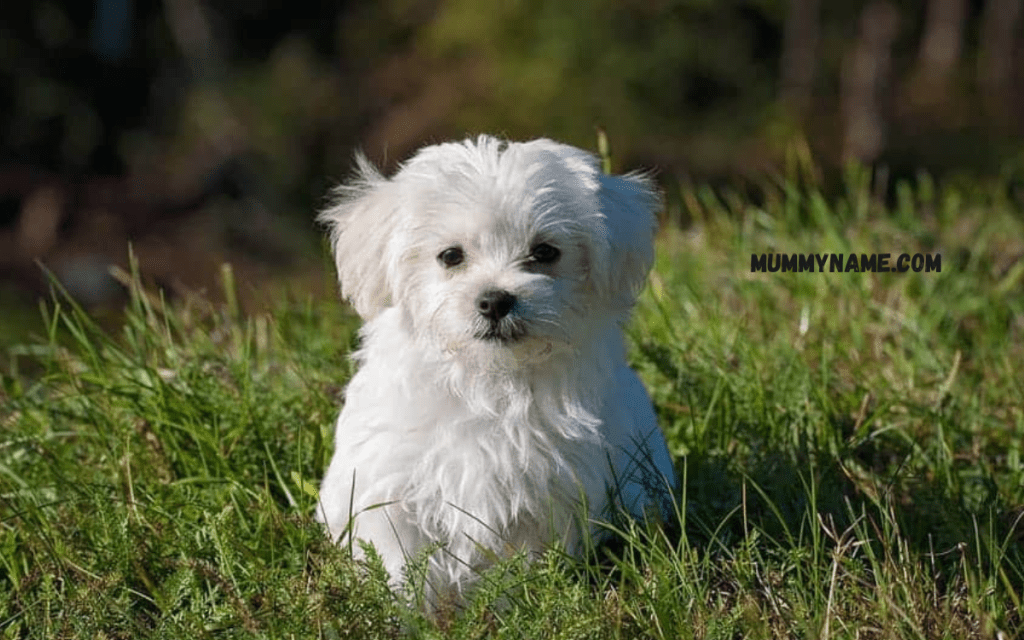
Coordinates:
(849, 446)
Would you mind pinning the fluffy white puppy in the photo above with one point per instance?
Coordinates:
(493, 410)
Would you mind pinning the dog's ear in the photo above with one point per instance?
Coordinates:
(362, 220)
(629, 204)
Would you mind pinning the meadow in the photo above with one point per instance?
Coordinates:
(849, 447)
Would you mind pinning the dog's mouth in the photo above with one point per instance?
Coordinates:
(505, 331)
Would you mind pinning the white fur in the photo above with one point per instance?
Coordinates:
(465, 447)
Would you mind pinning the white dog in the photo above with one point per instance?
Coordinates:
(493, 410)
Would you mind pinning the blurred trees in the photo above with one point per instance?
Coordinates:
(717, 86)
(660, 74)
(704, 84)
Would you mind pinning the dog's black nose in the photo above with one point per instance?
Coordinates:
(495, 304)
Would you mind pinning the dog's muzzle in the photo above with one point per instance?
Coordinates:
(495, 307)
(495, 304)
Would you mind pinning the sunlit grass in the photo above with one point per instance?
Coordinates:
(849, 446)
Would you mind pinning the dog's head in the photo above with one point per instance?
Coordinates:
(495, 249)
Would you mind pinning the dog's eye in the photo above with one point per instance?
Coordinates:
(452, 256)
(544, 253)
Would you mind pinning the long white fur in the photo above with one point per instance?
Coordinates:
(466, 448)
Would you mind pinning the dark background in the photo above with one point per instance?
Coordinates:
(209, 131)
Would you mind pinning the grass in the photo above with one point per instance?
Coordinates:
(849, 444)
